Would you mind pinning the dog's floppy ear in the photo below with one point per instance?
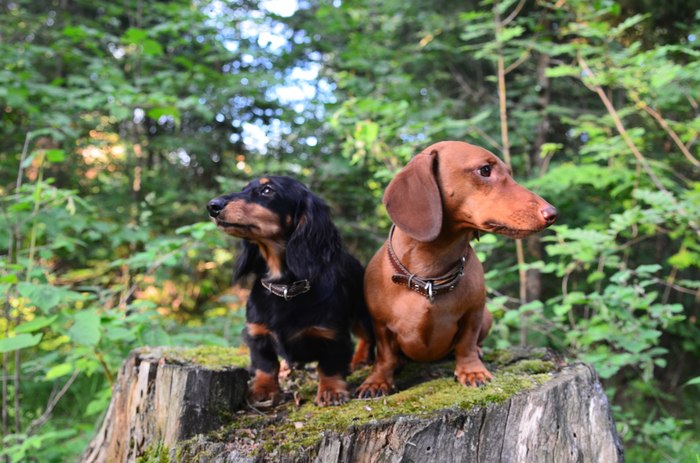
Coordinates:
(413, 200)
(249, 261)
(315, 242)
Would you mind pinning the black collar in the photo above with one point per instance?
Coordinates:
(428, 287)
(287, 291)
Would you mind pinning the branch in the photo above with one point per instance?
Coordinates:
(628, 140)
(487, 138)
(620, 127)
(664, 125)
(520, 253)
(680, 289)
(37, 423)
(105, 367)
(514, 14)
(521, 59)
(152, 268)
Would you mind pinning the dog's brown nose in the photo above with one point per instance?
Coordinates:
(550, 214)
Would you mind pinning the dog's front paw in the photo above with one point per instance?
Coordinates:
(473, 374)
(264, 390)
(374, 387)
(332, 390)
(328, 397)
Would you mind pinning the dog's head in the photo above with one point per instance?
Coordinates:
(462, 186)
(285, 226)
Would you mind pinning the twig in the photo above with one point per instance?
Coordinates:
(13, 239)
(105, 367)
(34, 425)
(22, 157)
(522, 276)
(152, 268)
(487, 138)
(680, 289)
(514, 14)
(521, 59)
(565, 293)
(618, 124)
(664, 125)
(628, 140)
(670, 281)
(460, 80)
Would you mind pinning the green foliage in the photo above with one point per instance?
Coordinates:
(119, 121)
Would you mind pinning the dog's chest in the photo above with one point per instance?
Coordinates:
(427, 331)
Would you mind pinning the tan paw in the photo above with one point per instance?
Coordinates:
(374, 387)
(332, 390)
(474, 376)
(264, 390)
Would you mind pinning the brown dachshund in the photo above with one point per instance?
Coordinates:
(425, 287)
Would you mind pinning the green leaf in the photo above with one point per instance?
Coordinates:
(21, 341)
(683, 259)
(561, 309)
(75, 32)
(86, 329)
(156, 337)
(55, 155)
(9, 278)
(152, 48)
(36, 324)
(510, 33)
(157, 113)
(45, 297)
(562, 71)
(59, 370)
(693, 382)
(135, 35)
(627, 23)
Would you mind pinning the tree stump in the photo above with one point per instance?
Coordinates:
(179, 405)
(165, 396)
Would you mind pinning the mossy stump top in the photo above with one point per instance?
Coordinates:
(535, 409)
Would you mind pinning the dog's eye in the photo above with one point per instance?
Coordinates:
(267, 191)
(485, 171)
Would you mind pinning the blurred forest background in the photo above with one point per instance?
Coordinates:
(120, 120)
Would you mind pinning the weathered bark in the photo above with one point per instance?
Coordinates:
(161, 398)
(566, 418)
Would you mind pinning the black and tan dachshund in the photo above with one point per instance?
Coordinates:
(307, 295)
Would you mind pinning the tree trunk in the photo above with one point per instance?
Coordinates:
(535, 410)
(535, 164)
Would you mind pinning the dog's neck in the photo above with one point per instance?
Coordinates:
(433, 258)
(273, 254)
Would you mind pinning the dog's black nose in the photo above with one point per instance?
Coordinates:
(215, 206)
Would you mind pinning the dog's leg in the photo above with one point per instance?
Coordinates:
(486, 323)
(332, 369)
(364, 353)
(332, 390)
(470, 371)
(381, 380)
(264, 363)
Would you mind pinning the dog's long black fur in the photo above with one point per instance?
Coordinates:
(313, 326)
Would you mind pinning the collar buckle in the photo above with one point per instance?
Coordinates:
(428, 287)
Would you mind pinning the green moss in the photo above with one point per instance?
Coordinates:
(156, 453)
(502, 357)
(304, 427)
(531, 366)
(213, 357)
(424, 390)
